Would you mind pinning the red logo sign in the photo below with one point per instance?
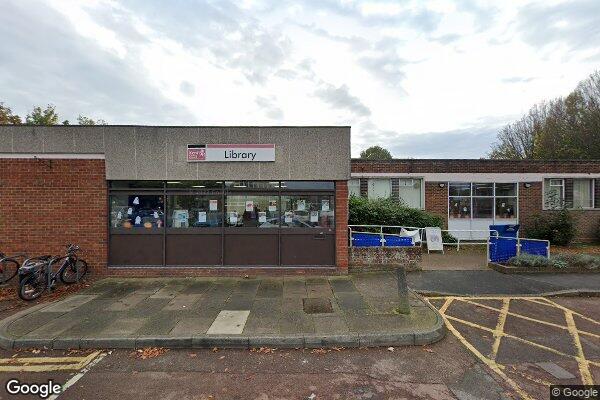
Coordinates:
(196, 154)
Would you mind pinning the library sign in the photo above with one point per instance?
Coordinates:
(230, 152)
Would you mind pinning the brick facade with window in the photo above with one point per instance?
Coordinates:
(529, 175)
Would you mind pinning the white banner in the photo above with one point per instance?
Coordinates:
(230, 152)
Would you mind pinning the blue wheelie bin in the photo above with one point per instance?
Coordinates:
(511, 231)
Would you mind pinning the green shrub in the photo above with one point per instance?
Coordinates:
(576, 261)
(363, 211)
(557, 227)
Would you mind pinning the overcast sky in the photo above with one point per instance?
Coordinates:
(422, 78)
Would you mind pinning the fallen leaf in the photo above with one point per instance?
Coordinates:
(428, 350)
(222, 357)
(215, 349)
(193, 354)
(390, 349)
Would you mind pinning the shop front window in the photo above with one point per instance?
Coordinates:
(133, 211)
(250, 210)
(354, 187)
(194, 211)
(307, 211)
(460, 207)
(506, 207)
(483, 207)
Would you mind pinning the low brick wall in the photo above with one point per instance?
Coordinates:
(383, 258)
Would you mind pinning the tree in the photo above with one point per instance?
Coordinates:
(82, 120)
(7, 117)
(375, 153)
(48, 116)
(563, 128)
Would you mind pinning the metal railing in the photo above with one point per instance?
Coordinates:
(382, 234)
(518, 246)
(469, 241)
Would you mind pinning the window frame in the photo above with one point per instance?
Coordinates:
(549, 180)
(493, 197)
(421, 190)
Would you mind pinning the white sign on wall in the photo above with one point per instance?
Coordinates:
(230, 152)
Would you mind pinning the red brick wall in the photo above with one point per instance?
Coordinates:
(436, 199)
(474, 166)
(45, 204)
(341, 224)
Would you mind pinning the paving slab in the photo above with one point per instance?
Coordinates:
(70, 303)
(227, 312)
(229, 322)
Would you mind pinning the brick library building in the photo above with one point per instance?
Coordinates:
(160, 201)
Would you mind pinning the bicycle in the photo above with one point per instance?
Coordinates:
(36, 275)
(9, 265)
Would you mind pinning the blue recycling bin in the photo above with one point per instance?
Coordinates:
(511, 231)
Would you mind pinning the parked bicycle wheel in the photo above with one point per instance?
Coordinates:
(73, 272)
(8, 270)
(32, 286)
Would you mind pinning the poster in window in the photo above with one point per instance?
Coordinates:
(201, 216)
(155, 215)
(138, 220)
(119, 215)
(213, 205)
(129, 211)
(324, 205)
(262, 217)
(233, 218)
(249, 205)
(288, 217)
(272, 205)
(314, 216)
(301, 205)
(136, 201)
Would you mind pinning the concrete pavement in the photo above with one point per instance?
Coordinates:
(293, 312)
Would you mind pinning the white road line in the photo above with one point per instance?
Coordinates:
(79, 375)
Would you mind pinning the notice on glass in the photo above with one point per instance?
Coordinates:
(119, 215)
(155, 214)
(301, 205)
(324, 205)
(233, 218)
(249, 205)
(213, 205)
(273, 205)
(262, 217)
(288, 217)
(201, 216)
(136, 201)
(129, 211)
(314, 216)
(138, 220)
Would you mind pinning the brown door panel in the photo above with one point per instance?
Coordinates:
(131, 250)
(251, 249)
(193, 250)
(316, 249)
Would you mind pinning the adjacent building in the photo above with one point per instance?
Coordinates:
(472, 194)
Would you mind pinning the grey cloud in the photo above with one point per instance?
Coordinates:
(518, 79)
(270, 109)
(463, 143)
(340, 98)
(421, 18)
(446, 39)
(355, 42)
(236, 40)
(187, 88)
(384, 63)
(49, 62)
(537, 24)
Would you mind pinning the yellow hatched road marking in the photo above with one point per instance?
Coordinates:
(44, 364)
(526, 317)
(500, 327)
(498, 333)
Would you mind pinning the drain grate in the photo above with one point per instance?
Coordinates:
(317, 305)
